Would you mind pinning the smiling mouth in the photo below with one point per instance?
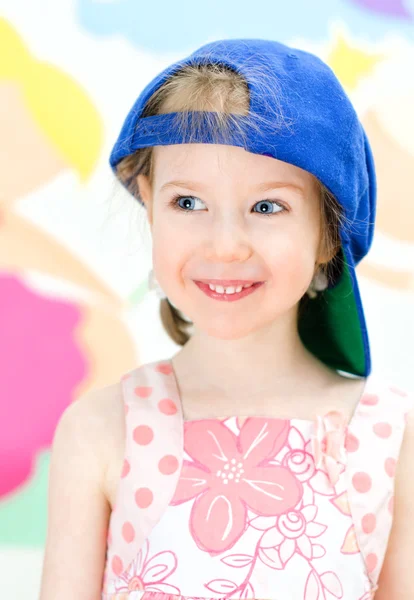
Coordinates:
(228, 293)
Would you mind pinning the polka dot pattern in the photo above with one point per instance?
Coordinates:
(143, 435)
(362, 482)
(390, 466)
(117, 566)
(351, 443)
(368, 523)
(152, 458)
(164, 368)
(370, 399)
(126, 468)
(143, 391)
(373, 443)
(168, 465)
(382, 430)
(144, 497)
(128, 532)
(167, 406)
(371, 562)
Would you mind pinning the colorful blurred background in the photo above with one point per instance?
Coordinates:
(75, 250)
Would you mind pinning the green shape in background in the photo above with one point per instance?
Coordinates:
(23, 515)
(139, 293)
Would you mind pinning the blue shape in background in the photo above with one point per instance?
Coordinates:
(185, 24)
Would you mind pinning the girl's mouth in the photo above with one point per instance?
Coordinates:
(228, 297)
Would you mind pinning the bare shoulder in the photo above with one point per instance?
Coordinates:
(396, 580)
(109, 401)
(99, 418)
(99, 411)
(105, 407)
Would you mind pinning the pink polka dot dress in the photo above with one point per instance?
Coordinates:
(263, 508)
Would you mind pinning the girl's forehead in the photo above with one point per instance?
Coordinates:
(202, 161)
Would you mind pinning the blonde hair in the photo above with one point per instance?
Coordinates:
(218, 88)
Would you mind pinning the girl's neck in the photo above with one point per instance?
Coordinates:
(313, 390)
(229, 372)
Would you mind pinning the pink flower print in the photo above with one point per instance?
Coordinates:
(311, 461)
(291, 532)
(149, 574)
(230, 474)
(301, 463)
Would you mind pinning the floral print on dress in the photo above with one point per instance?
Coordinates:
(149, 574)
(231, 473)
(292, 532)
(320, 460)
(265, 468)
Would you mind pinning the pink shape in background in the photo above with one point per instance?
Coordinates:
(41, 366)
(394, 8)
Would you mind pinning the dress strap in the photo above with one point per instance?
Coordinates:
(373, 443)
(152, 462)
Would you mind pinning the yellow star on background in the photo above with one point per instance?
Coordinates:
(349, 63)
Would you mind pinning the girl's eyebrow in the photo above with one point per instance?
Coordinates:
(263, 187)
(274, 185)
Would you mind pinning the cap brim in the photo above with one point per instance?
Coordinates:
(332, 326)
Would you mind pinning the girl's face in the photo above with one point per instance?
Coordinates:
(240, 216)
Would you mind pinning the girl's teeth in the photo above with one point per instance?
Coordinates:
(228, 290)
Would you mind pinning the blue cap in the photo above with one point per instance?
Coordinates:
(318, 131)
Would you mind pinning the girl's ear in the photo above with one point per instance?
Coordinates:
(145, 192)
(326, 257)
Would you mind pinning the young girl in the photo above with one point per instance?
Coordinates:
(264, 459)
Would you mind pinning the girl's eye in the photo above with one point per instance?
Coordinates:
(268, 211)
(185, 206)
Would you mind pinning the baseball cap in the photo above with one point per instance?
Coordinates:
(319, 131)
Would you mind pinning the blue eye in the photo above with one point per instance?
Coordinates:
(186, 206)
(187, 203)
(269, 211)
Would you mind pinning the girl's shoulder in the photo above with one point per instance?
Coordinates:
(384, 413)
(95, 412)
(100, 415)
(394, 397)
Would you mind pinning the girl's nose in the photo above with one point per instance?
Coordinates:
(228, 240)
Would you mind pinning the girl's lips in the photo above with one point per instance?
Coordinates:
(204, 287)
(227, 282)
